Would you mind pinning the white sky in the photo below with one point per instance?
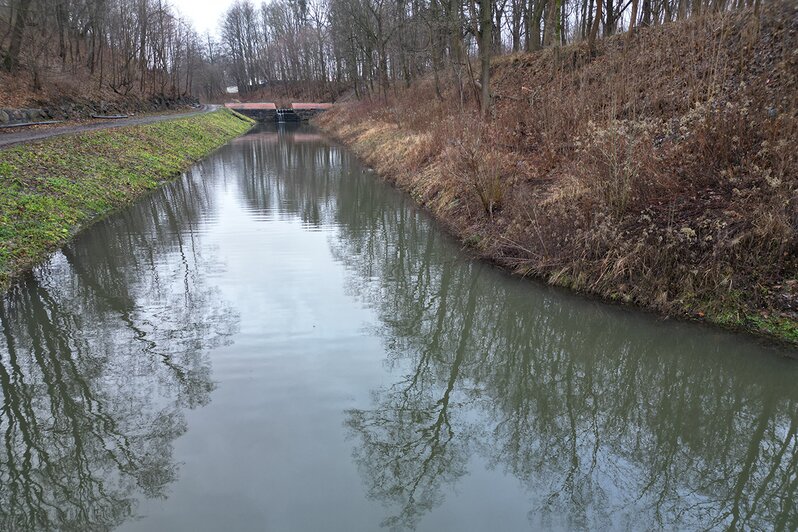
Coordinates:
(204, 14)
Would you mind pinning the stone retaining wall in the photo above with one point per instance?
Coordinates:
(20, 116)
(307, 114)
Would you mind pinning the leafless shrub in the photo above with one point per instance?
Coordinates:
(478, 168)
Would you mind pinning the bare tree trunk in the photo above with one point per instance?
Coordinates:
(60, 15)
(547, 23)
(485, 46)
(633, 18)
(646, 13)
(11, 60)
(591, 42)
(609, 19)
(518, 13)
(533, 26)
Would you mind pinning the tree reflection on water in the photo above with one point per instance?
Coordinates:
(608, 418)
(102, 350)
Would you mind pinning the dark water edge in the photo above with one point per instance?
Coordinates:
(279, 341)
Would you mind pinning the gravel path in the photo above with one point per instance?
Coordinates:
(28, 135)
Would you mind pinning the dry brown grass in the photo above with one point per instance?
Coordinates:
(662, 172)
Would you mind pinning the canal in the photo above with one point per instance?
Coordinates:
(280, 341)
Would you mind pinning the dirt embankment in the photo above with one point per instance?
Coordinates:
(75, 98)
(663, 171)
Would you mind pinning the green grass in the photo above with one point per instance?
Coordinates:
(731, 312)
(51, 189)
(777, 327)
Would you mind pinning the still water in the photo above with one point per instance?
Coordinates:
(279, 341)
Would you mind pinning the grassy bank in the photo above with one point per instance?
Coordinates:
(661, 171)
(49, 190)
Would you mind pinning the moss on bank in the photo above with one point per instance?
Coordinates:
(51, 189)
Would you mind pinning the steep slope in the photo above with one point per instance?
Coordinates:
(660, 171)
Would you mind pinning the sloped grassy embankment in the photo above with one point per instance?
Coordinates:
(661, 171)
(51, 189)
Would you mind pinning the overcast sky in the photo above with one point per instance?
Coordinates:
(205, 14)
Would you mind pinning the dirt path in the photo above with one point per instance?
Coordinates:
(19, 136)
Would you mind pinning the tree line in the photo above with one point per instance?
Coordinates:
(129, 46)
(370, 46)
(374, 45)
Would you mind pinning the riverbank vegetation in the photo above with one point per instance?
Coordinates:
(51, 189)
(656, 168)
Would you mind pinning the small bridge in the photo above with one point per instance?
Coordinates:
(269, 112)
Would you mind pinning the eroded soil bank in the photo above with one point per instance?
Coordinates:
(661, 171)
(51, 189)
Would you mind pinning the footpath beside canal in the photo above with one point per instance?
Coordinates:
(658, 170)
(51, 189)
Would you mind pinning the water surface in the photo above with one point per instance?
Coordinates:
(279, 341)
